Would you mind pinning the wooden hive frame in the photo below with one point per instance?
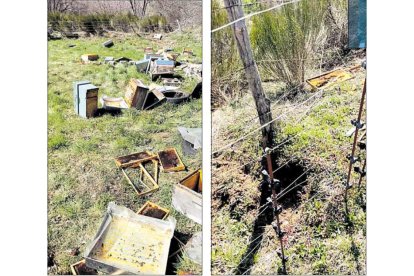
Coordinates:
(150, 204)
(329, 78)
(179, 166)
(143, 174)
(134, 159)
(75, 268)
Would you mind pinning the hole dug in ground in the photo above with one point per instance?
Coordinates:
(292, 178)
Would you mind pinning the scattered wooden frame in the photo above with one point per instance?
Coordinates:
(151, 205)
(329, 78)
(170, 160)
(134, 159)
(143, 189)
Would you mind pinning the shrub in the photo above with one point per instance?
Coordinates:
(224, 58)
(285, 38)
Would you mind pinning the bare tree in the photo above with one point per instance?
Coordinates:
(139, 9)
(59, 5)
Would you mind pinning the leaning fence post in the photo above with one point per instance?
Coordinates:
(234, 12)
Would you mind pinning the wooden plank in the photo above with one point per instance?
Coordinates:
(187, 202)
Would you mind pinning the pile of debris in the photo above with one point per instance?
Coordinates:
(162, 64)
(129, 242)
(137, 95)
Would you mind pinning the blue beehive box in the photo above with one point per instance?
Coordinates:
(86, 99)
(76, 86)
(161, 62)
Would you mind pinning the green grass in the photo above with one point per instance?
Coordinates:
(319, 241)
(82, 176)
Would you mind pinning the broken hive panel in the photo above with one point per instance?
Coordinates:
(154, 98)
(152, 168)
(134, 159)
(187, 202)
(170, 161)
(329, 78)
(193, 181)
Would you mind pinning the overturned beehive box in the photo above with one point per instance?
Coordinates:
(153, 210)
(154, 98)
(192, 139)
(187, 196)
(170, 161)
(162, 68)
(128, 243)
(136, 94)
(142, 65)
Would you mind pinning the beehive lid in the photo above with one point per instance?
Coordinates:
(130, 242)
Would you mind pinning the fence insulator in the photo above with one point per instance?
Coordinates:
(357, 123)
(360, 171)
(353, 159)
(276, 185)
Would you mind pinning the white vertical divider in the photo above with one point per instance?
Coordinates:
(206, 137)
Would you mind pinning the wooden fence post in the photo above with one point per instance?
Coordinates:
(235, 11)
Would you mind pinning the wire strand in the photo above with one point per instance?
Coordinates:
(253, 14)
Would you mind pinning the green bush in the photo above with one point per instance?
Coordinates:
(225, 59)
(284, 39)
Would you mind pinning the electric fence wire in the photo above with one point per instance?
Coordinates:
(265, 125)
(253, 14)
(259, 159)
(251, 251)
(271, 150)
(285, 190)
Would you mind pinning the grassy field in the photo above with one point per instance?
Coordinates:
(82, 176)
(317, 240)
